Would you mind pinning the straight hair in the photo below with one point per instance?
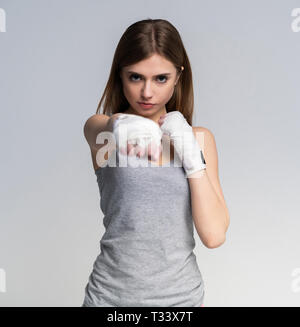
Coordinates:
(140, 41)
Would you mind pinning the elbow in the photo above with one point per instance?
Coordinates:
(215, 243)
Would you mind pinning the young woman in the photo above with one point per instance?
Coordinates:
(146, 256)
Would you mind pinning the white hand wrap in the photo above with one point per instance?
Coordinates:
(185, 143)
(136, 129)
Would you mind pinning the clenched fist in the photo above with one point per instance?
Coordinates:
(137, 135)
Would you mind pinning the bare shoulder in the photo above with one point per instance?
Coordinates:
(92, 127)
(204, 136)
(94, 122)
(207, 142)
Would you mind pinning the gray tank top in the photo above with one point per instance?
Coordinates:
(146, 253)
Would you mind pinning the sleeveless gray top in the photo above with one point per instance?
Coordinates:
(146, 256)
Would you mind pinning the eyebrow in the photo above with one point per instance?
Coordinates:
(131, 72)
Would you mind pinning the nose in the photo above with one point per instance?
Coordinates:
(147, 91)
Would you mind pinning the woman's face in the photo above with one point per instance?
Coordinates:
(152, 81)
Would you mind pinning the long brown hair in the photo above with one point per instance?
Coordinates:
(140, 41)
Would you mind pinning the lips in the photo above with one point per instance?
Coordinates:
(146, 103)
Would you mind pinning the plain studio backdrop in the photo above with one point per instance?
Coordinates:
(55, 61)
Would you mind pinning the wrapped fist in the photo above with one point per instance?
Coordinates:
(137, 135)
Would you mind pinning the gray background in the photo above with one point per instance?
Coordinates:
(55, 61)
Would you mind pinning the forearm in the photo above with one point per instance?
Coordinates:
(209, 214)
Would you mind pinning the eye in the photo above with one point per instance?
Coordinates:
(163, 76)
(135, 77)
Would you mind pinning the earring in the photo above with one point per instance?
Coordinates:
(182, 68)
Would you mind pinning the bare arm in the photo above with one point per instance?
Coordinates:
(210, 213)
